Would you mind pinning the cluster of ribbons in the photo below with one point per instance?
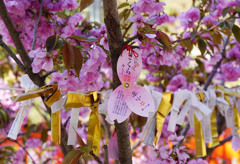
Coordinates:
(51, 96)
(201, 108)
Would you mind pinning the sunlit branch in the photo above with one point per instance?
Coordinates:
(19, 63)
(36, 25)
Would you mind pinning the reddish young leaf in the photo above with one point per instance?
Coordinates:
(85, 3)
(50, 43)
(68, 56)
(202, 45)
(72, 157)
(79, 139)
(236, 32)
(78, 60)
(164, 40)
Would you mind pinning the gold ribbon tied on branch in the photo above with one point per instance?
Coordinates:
(49, 94)
(76, 100)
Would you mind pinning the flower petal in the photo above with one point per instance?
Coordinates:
(139, 100)
(117, 107)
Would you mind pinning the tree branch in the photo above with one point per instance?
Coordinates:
(25, 151)
(105, 147)
(36, 25)
(19, 63)
(115, 40)
(132, 38)
(19, 45)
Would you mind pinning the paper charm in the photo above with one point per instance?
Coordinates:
(148, 133)
(103, 107)
(27, 83)
(129, 96)
(179, 97)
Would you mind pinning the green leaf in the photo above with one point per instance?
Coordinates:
(164, 40)
(123, 13)
(202, 45)
(78, 60)
(127, 15)
(86, 149)
(82, 39)
(72, 157)
(123, 5)
(68, 56)
(236, 32)
(85, 3)
(193, 35)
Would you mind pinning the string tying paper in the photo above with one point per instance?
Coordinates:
(130, 50)
(91, 100)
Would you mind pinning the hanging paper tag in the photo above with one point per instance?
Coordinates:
(27, 83)
(58, 105)
(73, 126)
(129, 96)
(206, 126)
(179, 97)
(117, 107)
(148, 133)
(17, 123)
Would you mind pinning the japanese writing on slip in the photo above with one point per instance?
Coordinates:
(120, 106)
(139, 99)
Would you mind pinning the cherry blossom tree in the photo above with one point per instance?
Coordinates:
(53, 43)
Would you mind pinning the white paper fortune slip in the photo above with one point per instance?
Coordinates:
(148, 133)
(129, 96)
(73, 126)
(27, 83)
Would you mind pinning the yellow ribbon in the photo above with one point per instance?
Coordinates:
(214, 132)
(236, 119)
(200, 143)
(198, 133)
(162, 112)
(50, 94)
(227, 91)
(91, 100)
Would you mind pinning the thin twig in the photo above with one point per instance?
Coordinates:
(105, 147)
(4, 140)
(66, 122)
(124, 34)
(48, 73)
(132, 38)
(36, 25)
(25, 151)
(96, 158)
(19, 63)
(210, 150)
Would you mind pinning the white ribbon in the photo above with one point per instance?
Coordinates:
(73, 126)
(27, 83)
(195, 107)
(103, 107)
(179, 97)
(58, 105)
(222, 104)
(148, 133)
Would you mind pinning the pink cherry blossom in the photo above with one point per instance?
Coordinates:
(165, 151)
(174, 138)
(229, 72)
(197, 161)
(178, 81)
(41, 60)
(104, 42)
(189, 18)
(182, 156)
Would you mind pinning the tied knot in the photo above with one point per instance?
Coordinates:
(130, 50)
